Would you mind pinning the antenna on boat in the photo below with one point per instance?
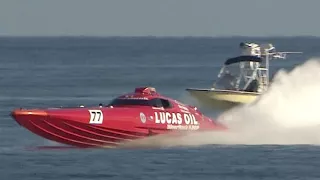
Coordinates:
(268, 52)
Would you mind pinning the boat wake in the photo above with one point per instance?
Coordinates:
(288, 113)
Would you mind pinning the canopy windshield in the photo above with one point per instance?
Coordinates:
(235, 76)
(130, 102)
(154, 102)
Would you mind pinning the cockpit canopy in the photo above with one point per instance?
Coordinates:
(154, 102)
(142, 96)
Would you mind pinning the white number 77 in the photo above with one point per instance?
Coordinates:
(96, 117)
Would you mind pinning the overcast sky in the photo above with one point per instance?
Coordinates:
(160, 17)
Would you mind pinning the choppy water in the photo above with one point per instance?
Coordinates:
(44, 72)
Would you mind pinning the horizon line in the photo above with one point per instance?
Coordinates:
(156, 36)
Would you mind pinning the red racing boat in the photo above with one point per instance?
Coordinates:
(131, 116)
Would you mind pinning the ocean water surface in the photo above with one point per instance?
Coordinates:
(69, 71)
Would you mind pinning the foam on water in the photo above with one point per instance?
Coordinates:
(288, 113)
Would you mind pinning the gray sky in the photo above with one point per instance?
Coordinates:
(159, 17)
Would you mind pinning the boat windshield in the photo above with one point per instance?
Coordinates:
(129, 102)
(155, 102)
(235, 76)
(228, 77)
